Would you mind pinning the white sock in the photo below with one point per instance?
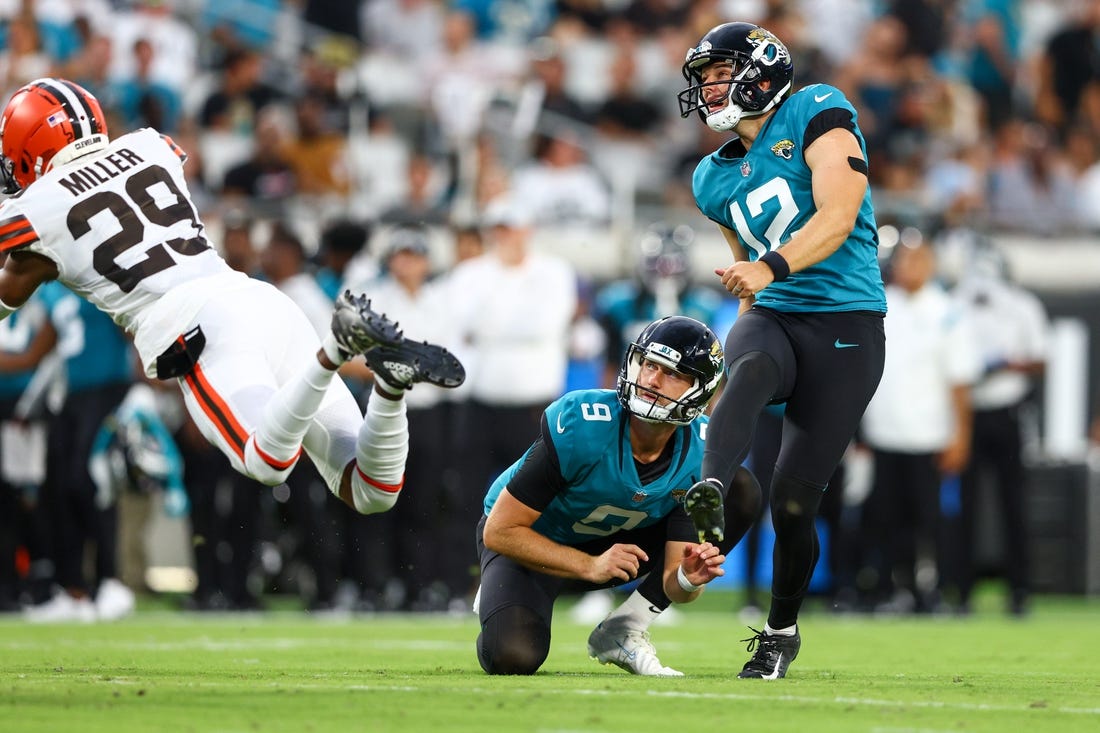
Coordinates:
(788, 631)
(332, 351)
(381, 450)
(636, 612)
(291, 410)
(387, 387)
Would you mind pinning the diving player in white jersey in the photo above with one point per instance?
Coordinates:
(114, 222)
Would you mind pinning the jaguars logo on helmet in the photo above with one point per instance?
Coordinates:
(760, 76)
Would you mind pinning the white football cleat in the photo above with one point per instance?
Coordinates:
(114, 600)
(62, 608)
(630, 649)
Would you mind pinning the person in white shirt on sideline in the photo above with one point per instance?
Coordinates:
(1011, 331)
(511, 310)
(918, 427)
(409, 294)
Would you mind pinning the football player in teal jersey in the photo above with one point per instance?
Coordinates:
(790, 195)
(598, 499)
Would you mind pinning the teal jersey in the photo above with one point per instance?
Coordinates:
(766, 195)
(588, 430)
(105, 357)
(17, 331)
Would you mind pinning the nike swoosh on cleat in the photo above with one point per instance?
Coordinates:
(838, 344)
(822, 97)
(775, 672)
(560, 428)
(628, 654)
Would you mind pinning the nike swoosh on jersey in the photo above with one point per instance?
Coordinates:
(560, 428)
(822, 97)
(838, 344)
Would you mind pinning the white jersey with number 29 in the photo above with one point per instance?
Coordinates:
(122, 229)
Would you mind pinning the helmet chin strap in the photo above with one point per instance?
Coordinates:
(647, 411)
(727, 118)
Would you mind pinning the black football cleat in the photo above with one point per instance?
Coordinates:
(703, 503)
(772, 654)
(356, 328)
(408, 362)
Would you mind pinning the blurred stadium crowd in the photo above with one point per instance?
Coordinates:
(447, 157)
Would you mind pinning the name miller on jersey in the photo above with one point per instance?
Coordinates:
(110, 165)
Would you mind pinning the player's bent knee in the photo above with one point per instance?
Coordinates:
(755, 366)
(259, 471)
(371, 497)
(265, 469)
(794, 502)
(513, 640)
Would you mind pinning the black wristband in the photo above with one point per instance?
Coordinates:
(774, 260)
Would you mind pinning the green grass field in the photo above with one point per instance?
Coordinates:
(287, 671)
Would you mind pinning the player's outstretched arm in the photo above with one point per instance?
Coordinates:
(508, 530)
(20, 276)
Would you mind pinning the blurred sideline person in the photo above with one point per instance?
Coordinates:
(98, 372)
(662, 286)
(133, 459)
(1011, 333)
(790, 195)
(917, 444)
(417, 547)
(597, 499)
(512, 308)
(28, 342)
(113, 222)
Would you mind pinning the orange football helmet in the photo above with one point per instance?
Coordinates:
(48, 122)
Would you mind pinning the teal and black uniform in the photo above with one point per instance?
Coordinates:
(766, 195)
(100, 369)
(597, 489)
(822, 326)
(581, 476)
(22, 521)
(814, 340)
(623, 308)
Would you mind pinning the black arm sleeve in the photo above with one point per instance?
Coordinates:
(825, 120)
(539, 478)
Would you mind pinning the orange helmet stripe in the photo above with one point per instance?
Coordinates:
(81, 115)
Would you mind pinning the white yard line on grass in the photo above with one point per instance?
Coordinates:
(833, 700)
